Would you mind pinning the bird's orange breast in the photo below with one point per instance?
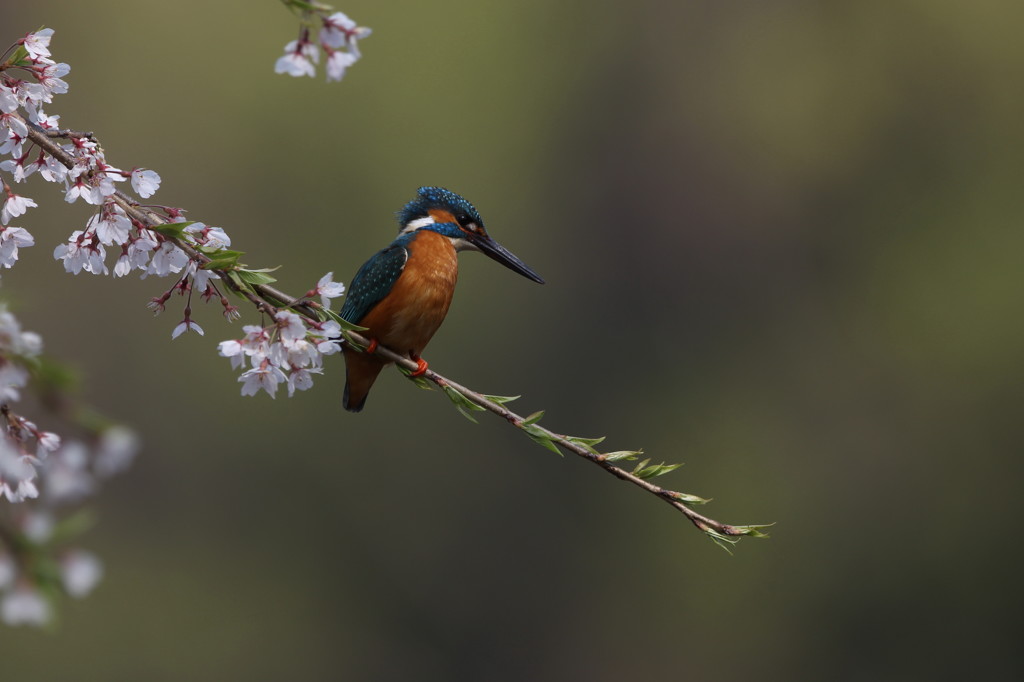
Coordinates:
(417, 304)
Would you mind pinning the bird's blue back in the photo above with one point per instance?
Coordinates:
(375, 279)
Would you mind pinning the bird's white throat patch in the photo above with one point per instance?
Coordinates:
(461, 244)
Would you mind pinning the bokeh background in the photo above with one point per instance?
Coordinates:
(782, 243)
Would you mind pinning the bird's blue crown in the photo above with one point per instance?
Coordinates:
(440, 198)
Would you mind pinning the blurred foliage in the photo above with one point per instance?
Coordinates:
(779, 244)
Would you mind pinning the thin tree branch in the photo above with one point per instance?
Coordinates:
(269, 299)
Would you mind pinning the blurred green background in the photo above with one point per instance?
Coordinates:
(782, 245)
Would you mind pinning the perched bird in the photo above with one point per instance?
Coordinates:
(401, 295)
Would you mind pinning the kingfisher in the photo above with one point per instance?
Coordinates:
(402, 294)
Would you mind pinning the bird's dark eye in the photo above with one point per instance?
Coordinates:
(462, 218)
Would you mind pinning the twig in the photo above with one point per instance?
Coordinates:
(722, 533)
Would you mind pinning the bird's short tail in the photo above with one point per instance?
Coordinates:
(361, 371)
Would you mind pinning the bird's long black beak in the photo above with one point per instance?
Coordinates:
(499, 253)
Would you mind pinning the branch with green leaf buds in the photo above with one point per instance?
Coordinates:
(157, 240)
(255, 286)
(467, 400)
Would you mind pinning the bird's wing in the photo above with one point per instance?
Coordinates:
(373, 282)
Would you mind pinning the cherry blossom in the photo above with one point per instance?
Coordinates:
(15, 167)
(145, 182)
(48, 442)
(255, 343)
(54, 170)
(111, 225)
(13, 144)
(115, 451)
(264, 376)
(31, 93)
(166, 259)
(40, 118)
(339, 31)
(80, 571)
(301, 379)
(11, 239)
(327, 289)
(15, 206)
(16, 128)
(8, 100)
(25, 606)
(82, 251)
(38, 44)
(139, 250)
(66, 476)
(187, 324)
(326, 337)
(298, 59)
(290, 327)
(50, 79)
(337, 63)
(212, 237)
(78, 188)
(17, 473)
(337, 28)
(338, 37)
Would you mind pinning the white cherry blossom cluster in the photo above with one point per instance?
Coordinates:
(338, 37)
(90, 178)
(67, 476)
(110, 234)
(23, 446)
(117, 239)
(39, 475)
(288, 351)
(21, 104)
(23, 603)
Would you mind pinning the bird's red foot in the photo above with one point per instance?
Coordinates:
(421, 367)
(372, 348)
